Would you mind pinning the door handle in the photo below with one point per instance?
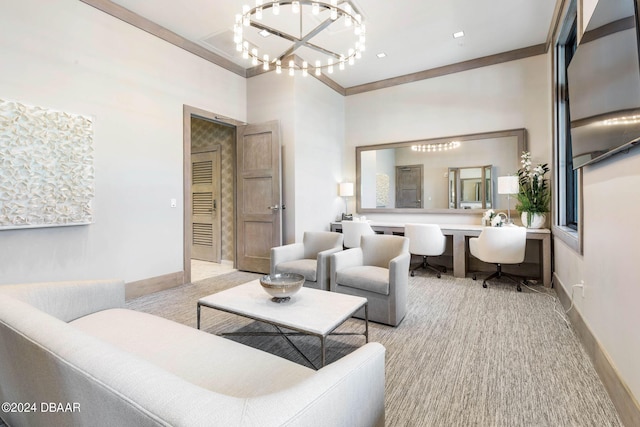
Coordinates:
(274, 207)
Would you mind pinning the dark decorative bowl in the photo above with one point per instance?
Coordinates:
(281, 286)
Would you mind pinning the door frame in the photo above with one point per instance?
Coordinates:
(187, 113)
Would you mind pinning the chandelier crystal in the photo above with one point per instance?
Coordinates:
(256, 16)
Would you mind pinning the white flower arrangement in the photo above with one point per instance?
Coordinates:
(493, 218)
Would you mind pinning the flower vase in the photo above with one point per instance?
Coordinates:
(533, 219)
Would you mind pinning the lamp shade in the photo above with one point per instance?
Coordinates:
(508, 184)
(346, 189)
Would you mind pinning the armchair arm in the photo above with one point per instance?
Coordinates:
(285, 253)
(322, 270)
(344, 259)
(399, 270)
(399, 285)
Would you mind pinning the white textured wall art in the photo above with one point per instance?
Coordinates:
(46, 167)
(382, 190)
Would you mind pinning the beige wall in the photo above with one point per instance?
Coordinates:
(68, 56)
(607, 267)
(499, 97)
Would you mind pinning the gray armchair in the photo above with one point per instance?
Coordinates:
(309, 258)
(379, 271)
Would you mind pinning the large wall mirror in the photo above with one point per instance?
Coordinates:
(456, 174)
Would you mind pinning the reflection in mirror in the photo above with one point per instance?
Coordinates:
(454, 174)
(474, 188)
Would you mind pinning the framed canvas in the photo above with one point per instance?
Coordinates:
(46, 167)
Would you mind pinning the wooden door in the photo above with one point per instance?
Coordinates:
(409, 186)
(205, 199)
(259, 216)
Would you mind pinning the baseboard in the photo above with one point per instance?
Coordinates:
(153, 284)
(622, 398)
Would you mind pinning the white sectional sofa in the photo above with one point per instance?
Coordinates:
(71, 355)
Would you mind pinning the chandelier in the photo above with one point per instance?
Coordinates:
(432, 148)
(308, 28)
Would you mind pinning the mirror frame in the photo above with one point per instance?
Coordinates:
(520, 134)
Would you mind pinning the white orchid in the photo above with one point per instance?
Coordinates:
(488, 215)
(534, 194)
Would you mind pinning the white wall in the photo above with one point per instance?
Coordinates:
(319, 118)
(311, 119)
(68, 56)
(608, 265)
(505, 96)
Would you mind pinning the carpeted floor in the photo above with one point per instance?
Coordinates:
(463, 356)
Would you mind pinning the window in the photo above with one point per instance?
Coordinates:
(567, 179)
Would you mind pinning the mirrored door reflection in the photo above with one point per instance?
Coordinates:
(470, 187)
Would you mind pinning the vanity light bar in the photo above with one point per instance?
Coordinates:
(625, 120)
(431, 148)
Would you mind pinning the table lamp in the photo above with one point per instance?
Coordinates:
(508, 185)
(346, 190)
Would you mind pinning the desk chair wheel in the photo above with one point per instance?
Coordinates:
(413, 273)
(438, 275)
(484, 285)
(474, 276)
(518, 288)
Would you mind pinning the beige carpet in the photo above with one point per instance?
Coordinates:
(463, 356)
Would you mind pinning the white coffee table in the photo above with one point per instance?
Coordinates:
(308, 312)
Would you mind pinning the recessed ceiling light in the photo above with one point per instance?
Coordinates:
(381, 55)
(264, 33)
(458, 34)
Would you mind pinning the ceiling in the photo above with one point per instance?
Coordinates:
(416, 35)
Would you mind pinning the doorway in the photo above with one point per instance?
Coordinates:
(409, 186)
(248, 208)
(209, 194)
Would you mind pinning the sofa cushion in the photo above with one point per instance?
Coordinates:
(306, 267)
(206, 360)
(366, 277)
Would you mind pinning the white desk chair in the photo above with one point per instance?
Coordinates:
(353, 231)
(500, 245)
(426, 240)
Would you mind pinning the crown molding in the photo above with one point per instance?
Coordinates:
(450, 69)
(163, 33)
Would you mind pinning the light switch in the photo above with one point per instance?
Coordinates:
(174, 203)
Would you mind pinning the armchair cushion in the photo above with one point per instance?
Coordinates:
(320, 241)
(366, 277)
(309, 258)
(306, 267)
(380, 251)
(377, 270)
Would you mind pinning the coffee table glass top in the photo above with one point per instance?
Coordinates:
(315, 311)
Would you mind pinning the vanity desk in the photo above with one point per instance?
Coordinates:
(460, 233)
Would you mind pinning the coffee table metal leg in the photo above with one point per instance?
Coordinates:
(323, 350)
(198, 322)
(295, 347)
(366, 322)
